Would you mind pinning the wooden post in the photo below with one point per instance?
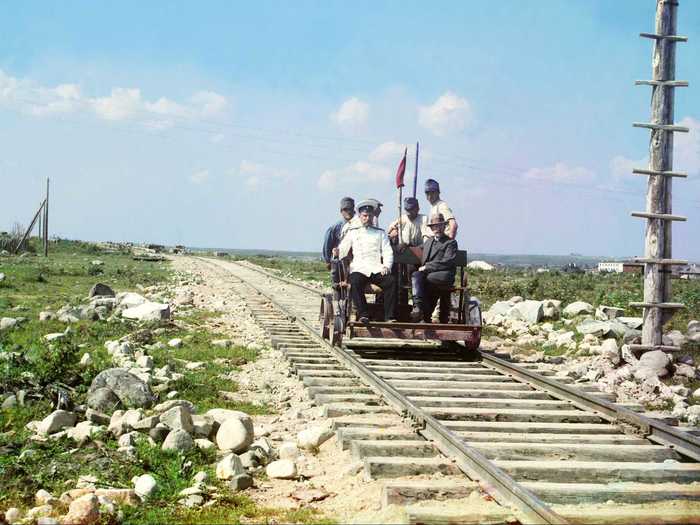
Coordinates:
(46, 220)
(659, 211)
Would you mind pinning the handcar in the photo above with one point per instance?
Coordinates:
(337, 316)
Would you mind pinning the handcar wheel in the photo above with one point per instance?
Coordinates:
(325, 316)
(338, 329)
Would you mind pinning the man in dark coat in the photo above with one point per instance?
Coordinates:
(436, 275)
(332, 238)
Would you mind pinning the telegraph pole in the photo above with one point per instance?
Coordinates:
(46, 220)
(659, 210)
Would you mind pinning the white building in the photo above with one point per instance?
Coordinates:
(619, 267)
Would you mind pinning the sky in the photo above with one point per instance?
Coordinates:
(242, 124)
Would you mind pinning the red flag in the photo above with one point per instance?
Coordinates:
(401, 171)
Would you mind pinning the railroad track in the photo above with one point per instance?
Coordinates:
(546, 451)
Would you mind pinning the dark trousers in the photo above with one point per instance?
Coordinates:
(335, 278)
(428, 288)
(358, 281)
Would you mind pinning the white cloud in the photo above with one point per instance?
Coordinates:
(352, 114)
(621, 167)
(561, 173)
(388, 151)
(686, 154)
(122, 103)
(257, 175)
(360, 172)
(200, 177)
(448, 114)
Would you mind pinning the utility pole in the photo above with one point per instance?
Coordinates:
(46, 220)
(659, 210)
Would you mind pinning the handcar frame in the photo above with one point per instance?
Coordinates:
(337, 312)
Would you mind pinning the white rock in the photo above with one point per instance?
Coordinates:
(607, 313)
(145, 361)
(282, 469)
(288, 450)
(7, 322)
(683, 370)
(696, 394)
(53, 337)
(175, 343)
(229, 467)
(222, 414)
(177, 418)
(528, 311)
(57, 420)
(551, 309)
(200, 477)
(130, 299)
(13, 515)
(86, 360)
(674, 338)
(148, 312)
(610, 350)
(178, 440)
(83, 431)
(43, 497)
(204, 444)
(46, 316)
(314, 437)
(480, 265)
(693, 326)
(654, 362)
(235, 434)
(144, 486)
(202, 426)
(578, 308)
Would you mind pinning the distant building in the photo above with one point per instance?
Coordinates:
(689, 271)
(620, 267)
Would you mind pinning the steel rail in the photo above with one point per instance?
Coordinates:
(654, 430)
(502, 487)
(683, 442)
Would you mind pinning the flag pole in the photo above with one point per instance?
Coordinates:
(415, 173)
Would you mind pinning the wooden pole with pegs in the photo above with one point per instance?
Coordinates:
(659, 216)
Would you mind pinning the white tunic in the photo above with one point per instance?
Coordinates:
(442, 207)
(413, 232)
(371, 251)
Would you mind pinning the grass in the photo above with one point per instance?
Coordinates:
(310, 271)
(34, 284)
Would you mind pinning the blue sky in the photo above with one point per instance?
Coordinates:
(242, 124)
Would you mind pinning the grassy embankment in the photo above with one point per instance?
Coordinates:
(33, 284)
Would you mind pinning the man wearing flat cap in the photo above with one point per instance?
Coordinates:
(331, 240)
(414, 225)
(432, 193)
(436, 274)
(372, 258)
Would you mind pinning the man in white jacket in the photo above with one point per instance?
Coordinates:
(372, 258)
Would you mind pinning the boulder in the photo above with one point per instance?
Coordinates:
(222, 343)
(204, 444)
(84, 510)
(229, 467)
(654, 362)
(171, 403)
(241, 482)
(7, 322)
(203, 426)
(480, 265)
(148, 312)
(83, 431)
(100, 289)
(693, 326)
(178, 440)
(596, 328)
(314, 437)
(551, 309)
(103, 400)
(529, 311)
(144, 486)
(674, 338)
(606, 313)
(683, 370)
(177, 418)
(609, 350)
(159, 433)
(222, 414)
(46, 316)
(131, 391)
(578, 308)
(500, 307)
(282, 469)
(235, 434)
(57, 420)
(175, 343)
(634, 323)
(130, 299)
(13, 515)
